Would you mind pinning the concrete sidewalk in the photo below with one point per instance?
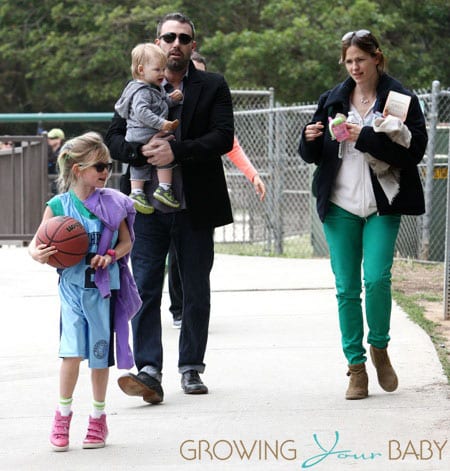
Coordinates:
(275, 370)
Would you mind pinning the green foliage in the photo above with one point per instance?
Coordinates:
(297, 50)
(297, 247)
(73, 55)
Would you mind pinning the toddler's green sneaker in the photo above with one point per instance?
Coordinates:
(141, 203)
(166, 197)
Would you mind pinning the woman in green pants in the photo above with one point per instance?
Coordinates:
(366, 178)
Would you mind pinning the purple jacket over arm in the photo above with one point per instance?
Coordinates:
(111, 207)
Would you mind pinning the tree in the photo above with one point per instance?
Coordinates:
(295, 45)
(71, 55)
(74, 55)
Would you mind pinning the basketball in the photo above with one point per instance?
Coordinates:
(68, 236)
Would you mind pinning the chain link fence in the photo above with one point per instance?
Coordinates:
(286, 222)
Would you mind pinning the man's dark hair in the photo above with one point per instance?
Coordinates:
(175, 17)
(197, 57)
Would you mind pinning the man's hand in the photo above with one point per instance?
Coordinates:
(158, 150)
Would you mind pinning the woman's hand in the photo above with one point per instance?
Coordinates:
(259, 186)
(354, 131)
(313, 131)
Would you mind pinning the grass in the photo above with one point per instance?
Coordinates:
(296, 247)
(411, 305)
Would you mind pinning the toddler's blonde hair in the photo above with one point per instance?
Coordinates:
(146, 53)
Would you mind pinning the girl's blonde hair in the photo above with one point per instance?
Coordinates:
(88, 148)
(145, 53)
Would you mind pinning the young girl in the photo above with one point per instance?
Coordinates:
(99, 291)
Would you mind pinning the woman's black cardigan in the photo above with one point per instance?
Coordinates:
(324, 152)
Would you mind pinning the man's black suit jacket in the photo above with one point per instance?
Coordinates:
(207, 132)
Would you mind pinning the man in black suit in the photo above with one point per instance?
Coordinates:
(205, 133)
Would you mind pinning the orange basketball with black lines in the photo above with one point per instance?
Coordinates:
(68, 236)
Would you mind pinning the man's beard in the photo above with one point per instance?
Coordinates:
(177, 65)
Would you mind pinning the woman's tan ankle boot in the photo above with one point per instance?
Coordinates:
(386, 375)
(358, 385)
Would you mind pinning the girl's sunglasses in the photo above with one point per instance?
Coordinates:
(100, 166)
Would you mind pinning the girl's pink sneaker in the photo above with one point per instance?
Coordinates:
(96, 433)
(59, 437)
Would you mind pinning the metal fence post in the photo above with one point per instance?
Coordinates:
(447, 244)
(433, 118)
(278, 184)
(272, 165)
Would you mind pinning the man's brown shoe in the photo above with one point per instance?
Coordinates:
(143, 385)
